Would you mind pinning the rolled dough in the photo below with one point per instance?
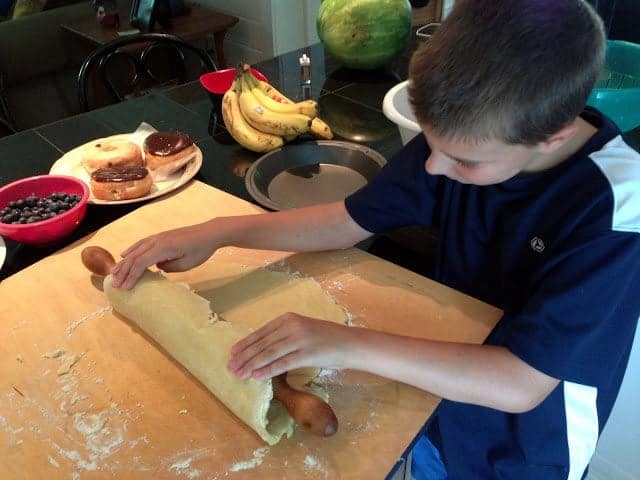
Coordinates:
(183, 324)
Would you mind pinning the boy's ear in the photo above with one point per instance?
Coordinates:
(558, 139)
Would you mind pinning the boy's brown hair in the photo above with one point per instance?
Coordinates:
(512, 70)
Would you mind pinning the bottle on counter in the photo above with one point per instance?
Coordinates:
(305, 76)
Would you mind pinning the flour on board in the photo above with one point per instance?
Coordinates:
(258, 456)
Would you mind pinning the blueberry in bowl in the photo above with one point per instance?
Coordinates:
(42, 210)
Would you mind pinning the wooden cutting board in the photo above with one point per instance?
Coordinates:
(126, 410)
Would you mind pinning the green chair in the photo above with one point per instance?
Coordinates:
(617, 91)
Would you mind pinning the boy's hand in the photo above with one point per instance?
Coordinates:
(172, 251)
(291, 341)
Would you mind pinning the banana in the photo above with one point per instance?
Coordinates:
(262, 118)
(319, 129)
(267, 88)
(272, 91)
(306, 107)
(240, 130)
(268, 96)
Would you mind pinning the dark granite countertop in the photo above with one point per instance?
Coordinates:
(350, 101)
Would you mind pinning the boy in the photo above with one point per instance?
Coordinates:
(537, 202)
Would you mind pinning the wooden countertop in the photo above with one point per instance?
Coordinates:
(126, 410)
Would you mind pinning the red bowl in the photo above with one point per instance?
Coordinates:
(220, 81)
(53, 229)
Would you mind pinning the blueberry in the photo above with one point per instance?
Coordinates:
(31, 200)
(20, 203)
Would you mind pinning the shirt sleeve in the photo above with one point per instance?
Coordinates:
(583, 310)
(401, 194)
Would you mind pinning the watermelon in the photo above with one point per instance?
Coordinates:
(364, 34)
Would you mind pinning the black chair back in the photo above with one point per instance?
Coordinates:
(132, 65)
(6, 120)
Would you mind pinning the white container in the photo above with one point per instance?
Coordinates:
(396, 107)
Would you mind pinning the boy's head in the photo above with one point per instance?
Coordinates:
(510, 71)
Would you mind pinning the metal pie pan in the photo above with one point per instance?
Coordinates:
(311, 173)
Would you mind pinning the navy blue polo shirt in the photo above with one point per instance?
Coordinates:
(559, 252)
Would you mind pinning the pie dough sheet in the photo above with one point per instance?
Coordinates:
(182, 323)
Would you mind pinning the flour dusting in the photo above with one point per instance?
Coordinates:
(258, 457)
(67, 364)
(182, 465)
(13, 432)
(313, 464)
(73, 325)
(310, 461)
(100, 441)
(58, 352)
(134, 443)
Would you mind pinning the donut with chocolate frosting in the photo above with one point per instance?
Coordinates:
(167, 143)
(120, 183)
(167, 152)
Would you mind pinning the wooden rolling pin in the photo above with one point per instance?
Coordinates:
(308, 411)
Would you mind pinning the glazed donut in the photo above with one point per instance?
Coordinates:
(107, 153)
(167, 152)
(120, 183)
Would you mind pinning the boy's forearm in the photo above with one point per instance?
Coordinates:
(484, 375)
(318, 228)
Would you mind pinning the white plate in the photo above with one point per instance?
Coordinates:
(3, 252)
(71, 164)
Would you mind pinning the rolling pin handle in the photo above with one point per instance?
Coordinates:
(97, 260)
(309, 411)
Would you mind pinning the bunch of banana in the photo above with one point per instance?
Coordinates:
(261, 119)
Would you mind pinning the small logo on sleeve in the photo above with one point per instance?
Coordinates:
(537, 244)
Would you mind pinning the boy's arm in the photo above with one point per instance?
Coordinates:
(321, 227)
(484, 375)
(311, 229)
